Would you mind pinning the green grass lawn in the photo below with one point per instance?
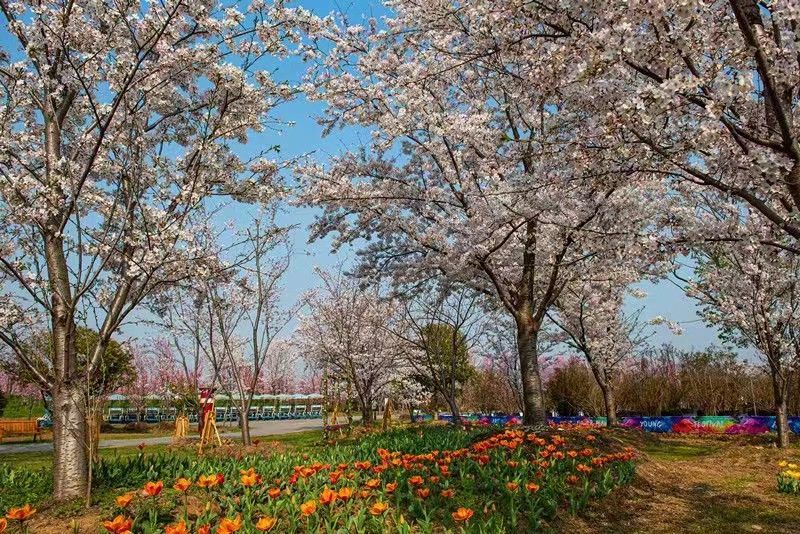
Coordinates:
(43, 460)
(678, 451)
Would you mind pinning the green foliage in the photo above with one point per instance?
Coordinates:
(446, 356)
(19, 407)
(418, 441)
(22, 486)
(114, 371)
(789, 481)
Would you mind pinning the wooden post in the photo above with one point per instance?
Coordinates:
(387, 413)
(181, 427)
(209, 431)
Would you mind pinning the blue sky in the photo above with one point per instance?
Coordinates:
(305, 136)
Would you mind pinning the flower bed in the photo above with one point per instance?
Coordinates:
(416, 479)
(789, 478)
(507, 481)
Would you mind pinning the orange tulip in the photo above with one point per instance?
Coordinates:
(391, 487)
(124, 500)
(423, 493)
(176, 528)
(205, 529)
(306, 472)
(3, 524)
(334, 476)
(227, 526)
(571, 480)
(249, 480)
(373, 483)
(182, 484)
(265, 524)
(328, 496)
(462, 514)
(308, 508)
(344, 493)
(378, 508)
(532, 487)
(416, 480)
(434, 479)
(152, 489)
(274, 493)
(207, 481)
(365, 494)
(512, 486)
(119, 525)
(21, 514)
(448, 493)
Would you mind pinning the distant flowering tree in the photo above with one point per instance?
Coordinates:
(148, 382)
(343, 332)
(751, 291)
(118, 123)
(238, 316)
(593, 317)
(278, 374)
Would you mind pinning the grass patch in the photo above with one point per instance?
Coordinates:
(732, 517)
(669, 450)
(43, 460)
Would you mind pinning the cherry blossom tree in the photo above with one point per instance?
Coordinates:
(752, 292)
(181, 376)
(704, 91)
(593, 317)
(472, 176)
(344, 332)
(701, 94)
(117, 124)
(147, 383)
(279, 370)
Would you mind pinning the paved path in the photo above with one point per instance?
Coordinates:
(257, 428)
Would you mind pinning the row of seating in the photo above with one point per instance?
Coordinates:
(262, 413)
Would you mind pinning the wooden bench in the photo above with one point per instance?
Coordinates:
(19, 427)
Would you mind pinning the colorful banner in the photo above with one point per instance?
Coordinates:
(679, 424)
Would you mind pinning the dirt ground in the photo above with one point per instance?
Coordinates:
(698, 484)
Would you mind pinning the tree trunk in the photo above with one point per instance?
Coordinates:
(451, 403)
(781, 411)
(532, 391)
(244, 423)
(366, 412)
(70, 460)
(609, 401)
(610, 404)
